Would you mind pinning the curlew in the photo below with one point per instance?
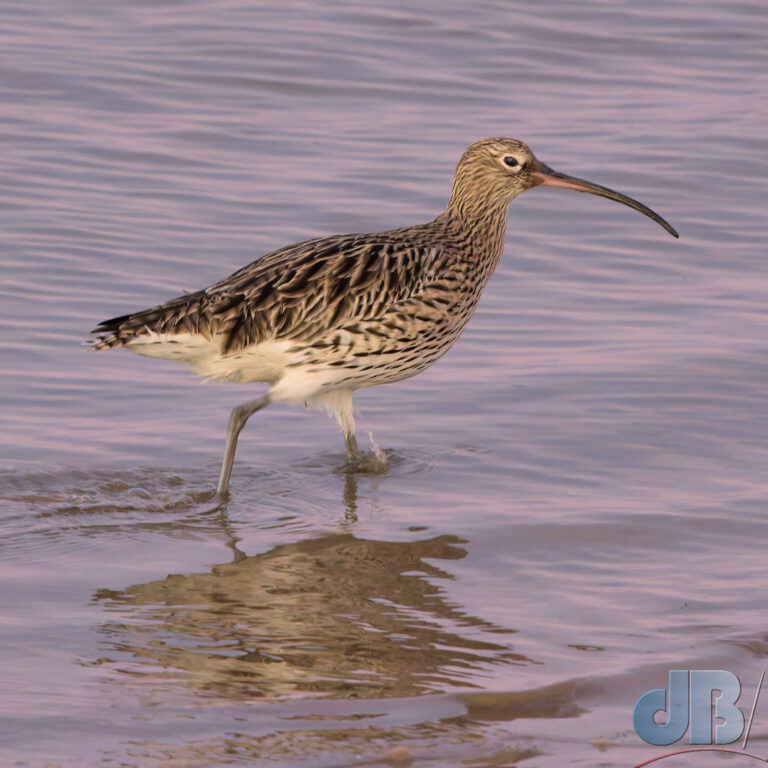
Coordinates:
(320, 319)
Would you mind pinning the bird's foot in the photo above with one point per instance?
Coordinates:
(371, 462)
(368, 463)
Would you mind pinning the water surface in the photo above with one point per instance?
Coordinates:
(577, 493)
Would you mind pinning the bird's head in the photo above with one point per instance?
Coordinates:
(494, 171)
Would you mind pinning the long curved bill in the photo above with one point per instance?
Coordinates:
(547, 177)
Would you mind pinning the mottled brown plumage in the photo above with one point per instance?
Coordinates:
(319, 319)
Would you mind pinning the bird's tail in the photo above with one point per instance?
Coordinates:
(181, 315)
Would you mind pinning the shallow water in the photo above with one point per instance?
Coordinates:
(577, 494)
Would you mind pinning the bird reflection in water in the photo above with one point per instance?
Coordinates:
(356, 626)
(334, 615)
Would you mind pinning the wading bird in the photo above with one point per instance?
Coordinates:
(320, 319)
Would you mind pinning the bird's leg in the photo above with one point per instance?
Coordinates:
(338, 403)
(346, 417)
(240, 414)
(354, 457)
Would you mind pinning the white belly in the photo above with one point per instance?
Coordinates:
(261, 362)
(268, 361)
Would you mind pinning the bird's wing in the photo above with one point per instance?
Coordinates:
(298, 292)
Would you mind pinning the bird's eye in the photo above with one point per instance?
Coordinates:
(512, 162)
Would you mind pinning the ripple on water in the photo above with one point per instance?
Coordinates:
(609, 393)
(297, 496)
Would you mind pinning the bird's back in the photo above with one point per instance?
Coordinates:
(340, 297)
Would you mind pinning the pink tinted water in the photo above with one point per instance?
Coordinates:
(576, 501)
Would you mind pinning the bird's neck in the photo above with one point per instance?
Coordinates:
(479, 225)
